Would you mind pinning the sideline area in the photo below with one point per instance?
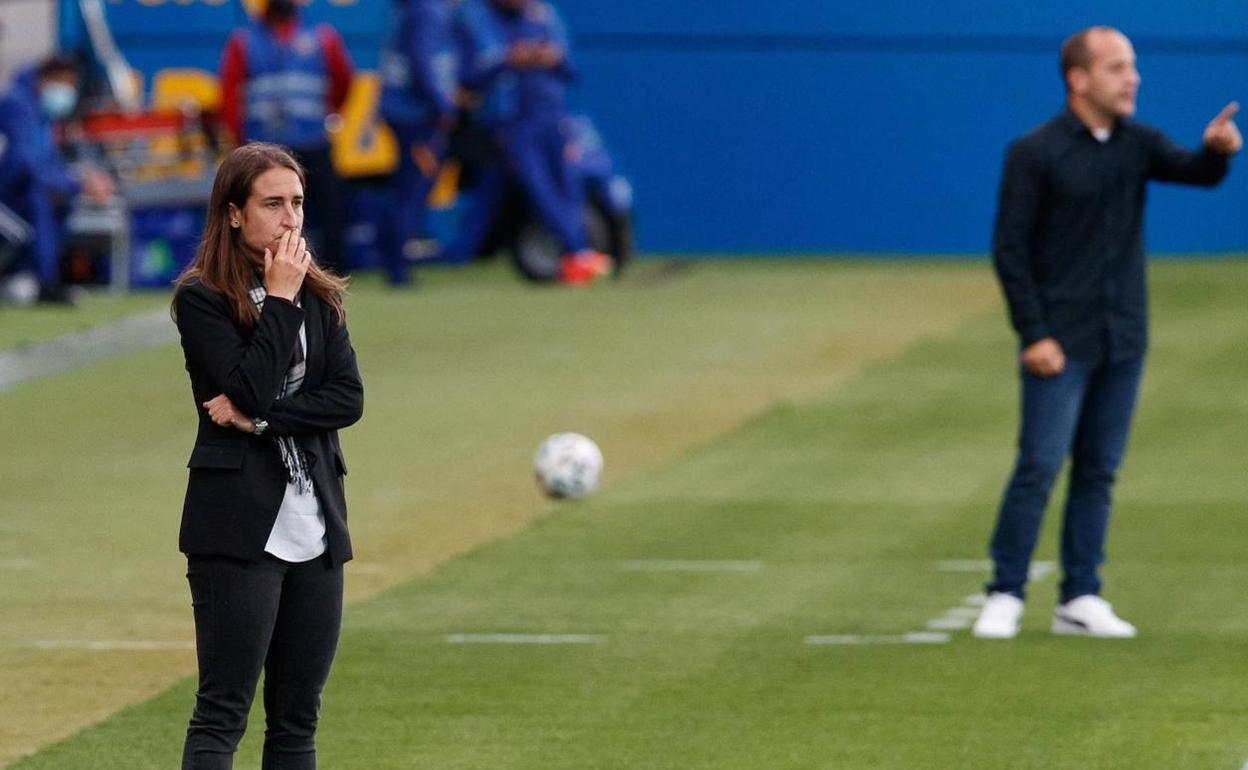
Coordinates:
(463, 378)
(752, 599)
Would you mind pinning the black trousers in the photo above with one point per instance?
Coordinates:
(273, 615)
(324, 209)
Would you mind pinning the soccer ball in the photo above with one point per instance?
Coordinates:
(568, 465)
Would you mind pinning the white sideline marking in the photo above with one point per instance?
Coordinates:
(17, 564)
(964, 565)
(1039, 569)
(524, 639)
(105, 645)
(70, 351)
(957, 618)
(660, 565)
(914, 637)
(962, 612)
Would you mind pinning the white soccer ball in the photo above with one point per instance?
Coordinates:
(568, 465)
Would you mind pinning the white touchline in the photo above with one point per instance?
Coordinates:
(962, 612)
(660, 565)
(957, 618)
(964, 565)
(17, 563)
(524, 639)
(108, 645)
(914, 637)
(1038, 568)
(75, 349)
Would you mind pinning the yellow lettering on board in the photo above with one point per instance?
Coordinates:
(364, 146)
(173, 87)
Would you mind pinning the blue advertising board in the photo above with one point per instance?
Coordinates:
(808, 126)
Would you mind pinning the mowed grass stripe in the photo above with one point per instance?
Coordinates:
(24, 326)
(463, 378)
(852, 502)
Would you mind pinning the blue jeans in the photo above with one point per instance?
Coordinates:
(1083, 413)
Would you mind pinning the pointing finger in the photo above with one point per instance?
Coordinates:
(1228, 112)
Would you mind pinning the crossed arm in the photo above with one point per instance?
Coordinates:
(249, 373)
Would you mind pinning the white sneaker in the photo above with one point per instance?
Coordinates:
(1000, 617)
(1090, 615)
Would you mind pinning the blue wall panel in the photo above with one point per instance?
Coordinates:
(803, 151)
(819, 125)
(1209, 18)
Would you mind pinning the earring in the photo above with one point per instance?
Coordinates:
(234, 223)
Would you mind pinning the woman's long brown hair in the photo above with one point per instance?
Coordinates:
(222, 263)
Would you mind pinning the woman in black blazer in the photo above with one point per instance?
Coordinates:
(264, 524)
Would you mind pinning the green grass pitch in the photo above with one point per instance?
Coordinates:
(827, 432)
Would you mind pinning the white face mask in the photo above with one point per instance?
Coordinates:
(58, 100)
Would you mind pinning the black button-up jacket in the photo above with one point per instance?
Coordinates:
(1068, 247)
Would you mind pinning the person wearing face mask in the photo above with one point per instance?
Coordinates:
(283, 81)
(35, 182)
(264, 523)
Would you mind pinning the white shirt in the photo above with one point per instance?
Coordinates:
(298, 534)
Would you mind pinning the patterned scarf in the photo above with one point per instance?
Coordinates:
(292, 454)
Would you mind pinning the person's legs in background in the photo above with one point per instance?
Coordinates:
(324, 203)
(488, 192)
(1050, 408)
(528, 151)
(1100, 443)
(1050, 413)
(42, 256)
(535, 150)
(413, 178)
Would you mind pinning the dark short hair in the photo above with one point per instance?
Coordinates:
(57, 65)
(1075, 50)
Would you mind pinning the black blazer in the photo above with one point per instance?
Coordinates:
(237, 480)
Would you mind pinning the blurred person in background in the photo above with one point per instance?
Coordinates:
(529, 103)
(35, 182)
(264, 522)
(419, 76)
(1068, 250)
(284, 81)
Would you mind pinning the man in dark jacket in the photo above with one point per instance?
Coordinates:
(1069, 253)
